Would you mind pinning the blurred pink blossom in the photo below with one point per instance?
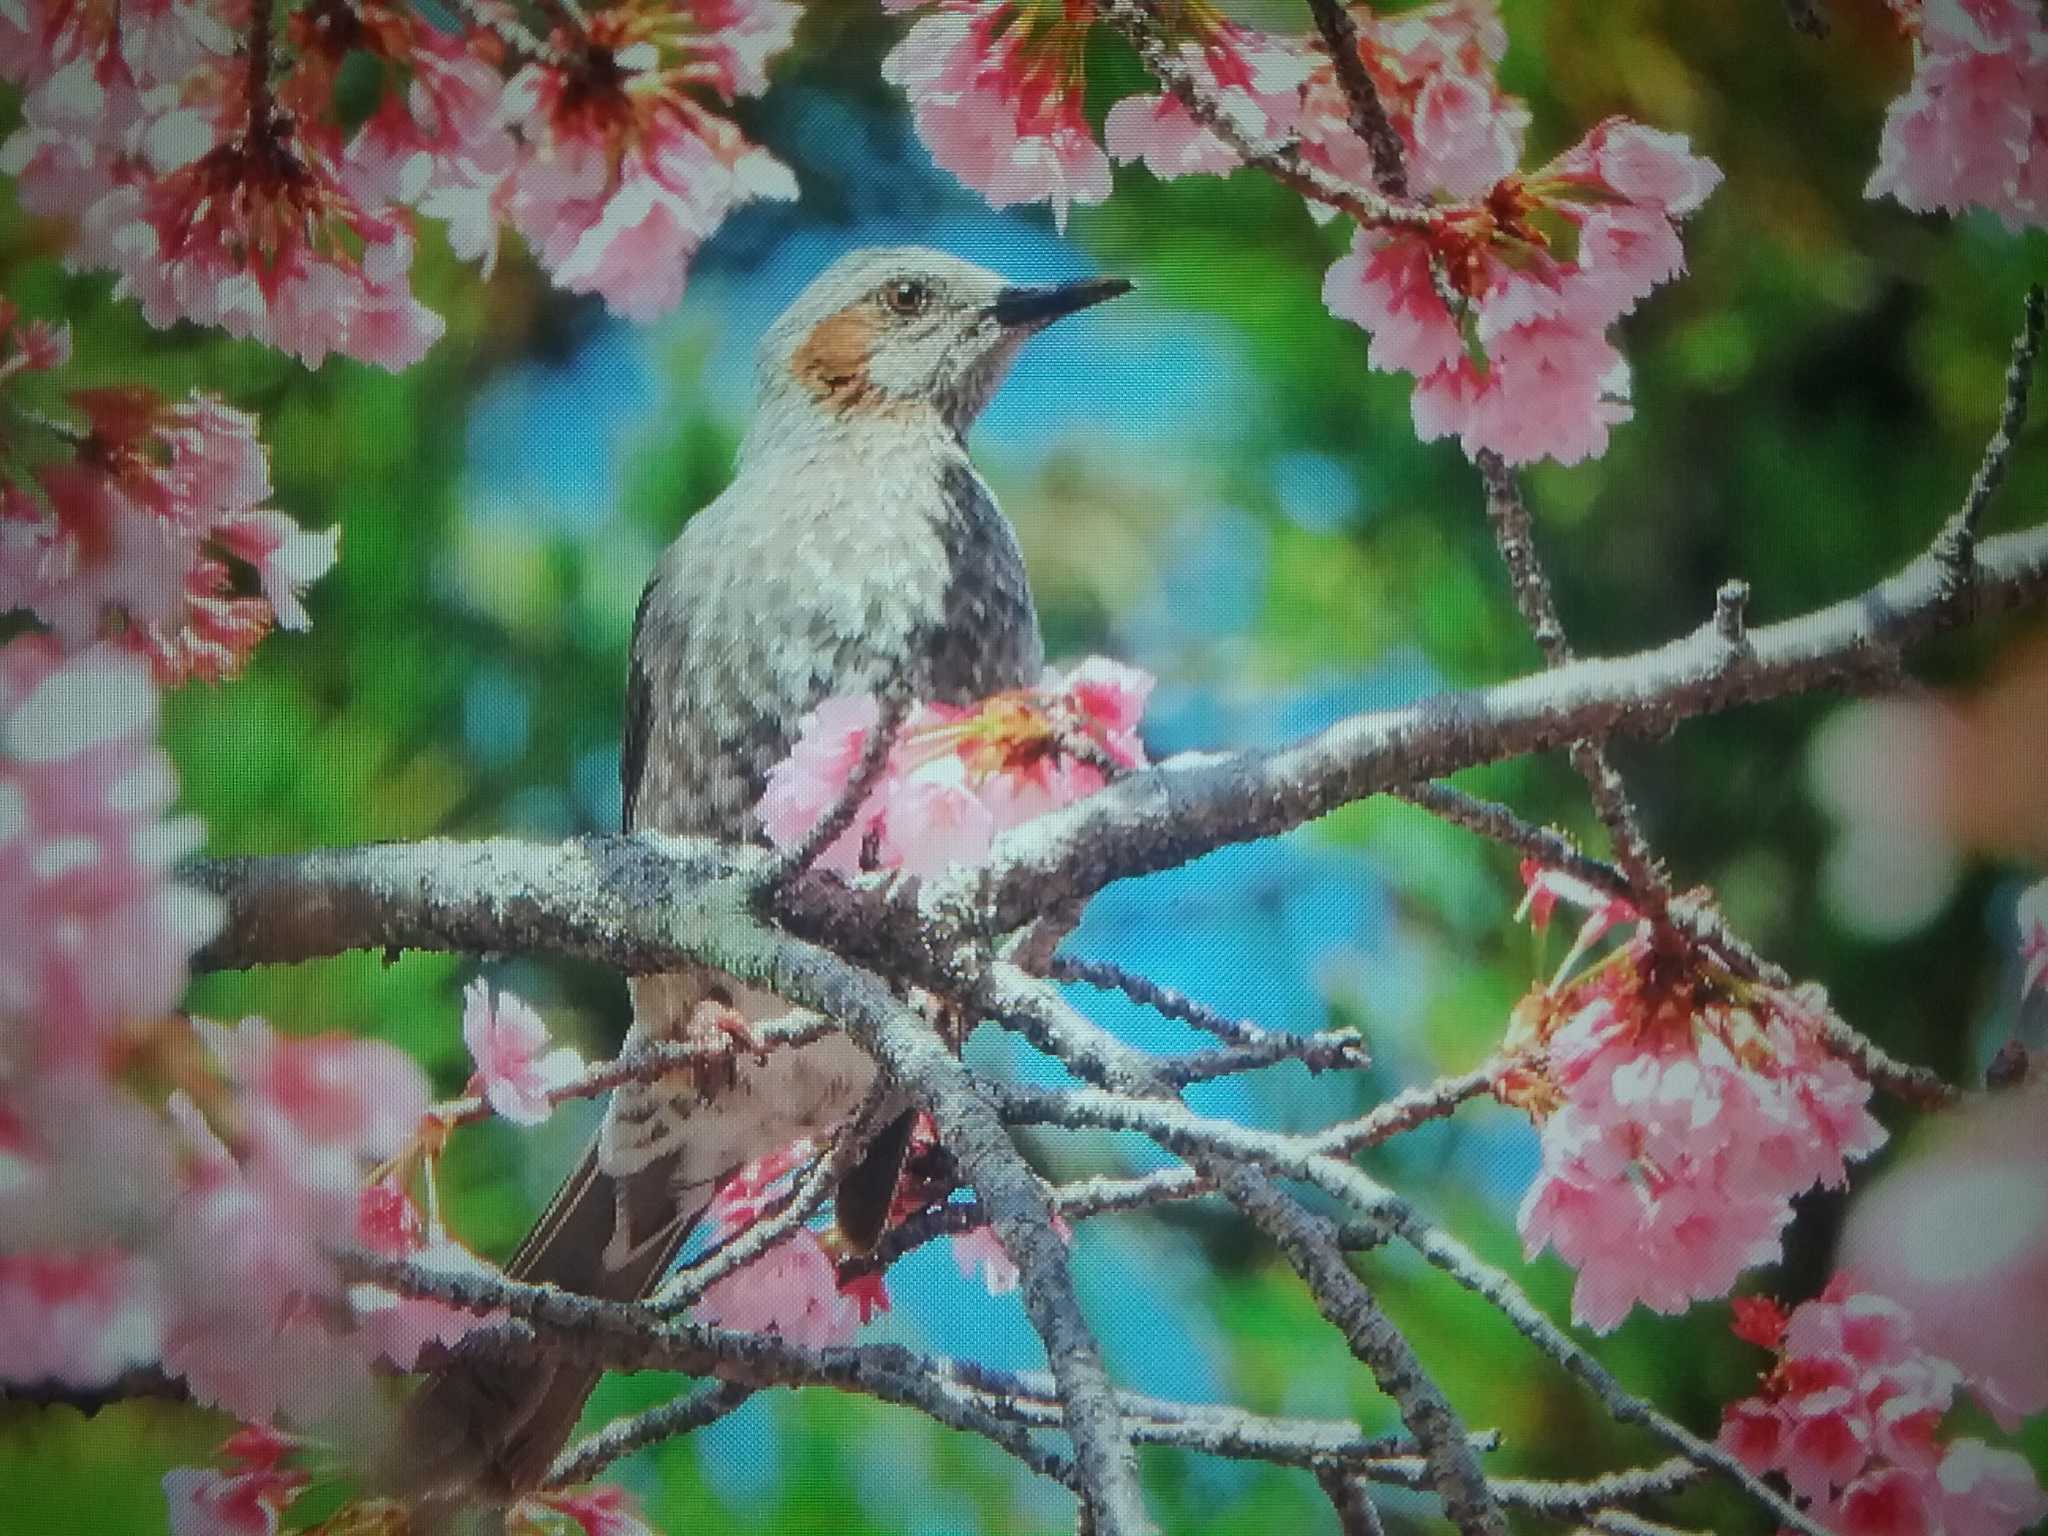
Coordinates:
(1956, 1231)
(621, 174)
(995, 88)
(1971, 128)
(131, 534)
(79, 1319)
(86, 849)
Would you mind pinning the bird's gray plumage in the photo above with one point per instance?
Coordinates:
(856, 551)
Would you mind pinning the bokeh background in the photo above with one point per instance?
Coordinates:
(1208, 482)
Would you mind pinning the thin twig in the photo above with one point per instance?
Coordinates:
(1252, 1046)
(1368, 113)
(827, 830)
(1546, 845)
(1515, 535)
(1347, 1494)
(1957, 545)
(650, 1063)
(1139, 23)
(1307, 1241)
(592, 1454)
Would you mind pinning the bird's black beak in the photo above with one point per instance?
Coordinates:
(1041, 305)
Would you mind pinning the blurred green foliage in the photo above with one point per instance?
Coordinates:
(1810, 403)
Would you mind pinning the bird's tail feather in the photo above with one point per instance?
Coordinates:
(489, 1425)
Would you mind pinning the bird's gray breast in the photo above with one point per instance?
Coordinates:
(794, 587)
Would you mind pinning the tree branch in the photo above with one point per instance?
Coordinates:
(1957, 545)
(1368, 113)
(646, 903)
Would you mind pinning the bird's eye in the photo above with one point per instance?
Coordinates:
(907, 296)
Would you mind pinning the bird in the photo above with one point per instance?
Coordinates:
(856, 550)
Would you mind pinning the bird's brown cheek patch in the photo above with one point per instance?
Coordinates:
(832, 363)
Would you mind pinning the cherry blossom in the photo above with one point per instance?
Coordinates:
(1527, 371)
(437, 141)
(1254, 78)
(1972, 127)
(136, 528)
(248, 223)
(995, 88)
(1433, 69)
(212, 199)
(956, 777)
(136, 42)
(245, 1499)
(791, 1290)
(622, 173)
(508, 1042)
(397, 1328)
(981, 1252)
(1850, 1416)
(603, 1510)
(86, 849)
(78, 1318)
(1679, 1115)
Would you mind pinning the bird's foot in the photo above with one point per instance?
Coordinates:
(710, 1020)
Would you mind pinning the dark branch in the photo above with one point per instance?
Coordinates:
(1368, 113)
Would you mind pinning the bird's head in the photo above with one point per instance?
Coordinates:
(905, 333)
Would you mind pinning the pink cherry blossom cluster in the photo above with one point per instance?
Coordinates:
(86, 849)
(996, 89)
(1972, 127)
(1850, 1415)
(134, 527)
(192, 1231)
(793, 1289)
(167, 1186)
(200, 159)
(958, 776)
(1681, 1109)
(1433, 68)
(621, 172)
(1501, 306)
(954, 778)
(243, 1497)
(260, 1473)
